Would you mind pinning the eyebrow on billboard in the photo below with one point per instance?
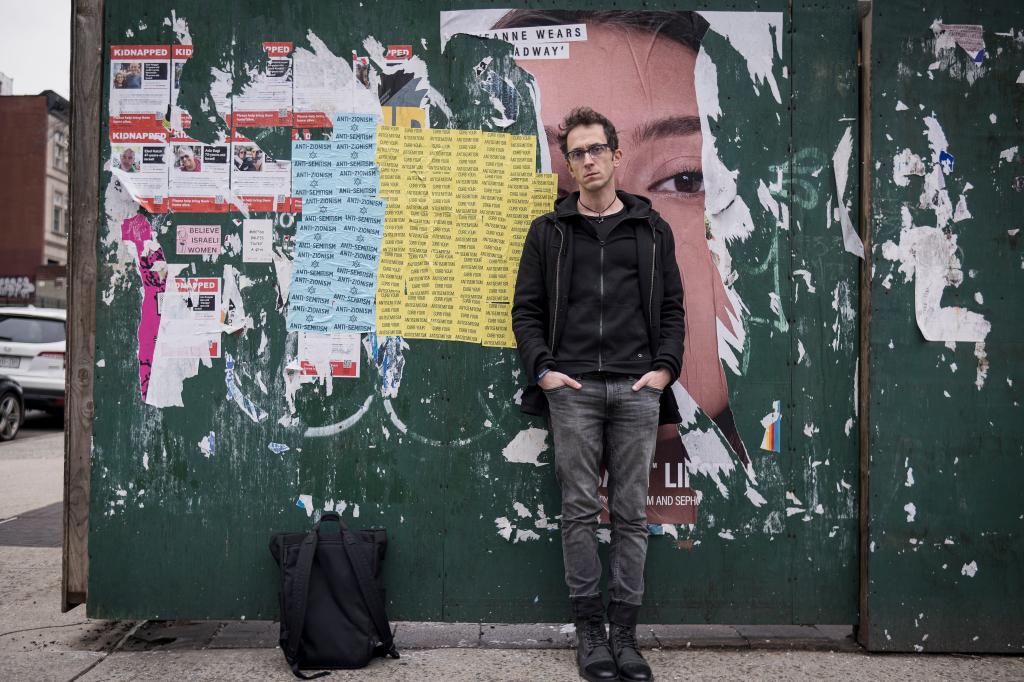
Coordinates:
(667, 126)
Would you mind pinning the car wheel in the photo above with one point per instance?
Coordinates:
(10, 416)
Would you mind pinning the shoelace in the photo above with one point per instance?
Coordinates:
(593, 635)
(625, 638)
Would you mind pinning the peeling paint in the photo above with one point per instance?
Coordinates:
(527, 446)
(928, 255)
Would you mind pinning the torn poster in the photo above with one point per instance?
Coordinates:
(234, 392)
(190, 316)
(181, 120)
(263, 182)
(905, 164)
(528, 42)
(325, 83)
(193, 298)
(970, 37)
(361, 72)
(267, 99)
(841, 167)
(139, 160)
(208, 445)
(182, 342)
(257, 240)
(198, 240)
(140, 88)
(772, 423)
(334, 355)
(929, 256)
(152, 269)
(397, 53)
(670, 499)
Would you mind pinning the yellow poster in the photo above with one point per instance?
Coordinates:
(460, 203)
(497, 327)
(468, 316)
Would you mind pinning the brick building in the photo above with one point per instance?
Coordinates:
(34, 195)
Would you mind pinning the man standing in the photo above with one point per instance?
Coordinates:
(598, 320)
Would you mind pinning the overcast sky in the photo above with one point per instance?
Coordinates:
(35, 45)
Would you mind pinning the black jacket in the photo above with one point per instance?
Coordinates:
(541, 295)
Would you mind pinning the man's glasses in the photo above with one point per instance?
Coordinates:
(596, 151)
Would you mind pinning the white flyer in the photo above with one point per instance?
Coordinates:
(257, 240)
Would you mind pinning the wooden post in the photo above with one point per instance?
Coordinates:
(864, 356)
(86, 96)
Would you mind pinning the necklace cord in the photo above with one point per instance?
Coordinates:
(600, 214)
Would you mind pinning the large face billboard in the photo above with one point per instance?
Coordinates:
(647, 72)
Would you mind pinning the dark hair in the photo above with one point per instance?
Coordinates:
(585, 116)
(685, 28)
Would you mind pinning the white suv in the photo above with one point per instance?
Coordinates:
(32, 344)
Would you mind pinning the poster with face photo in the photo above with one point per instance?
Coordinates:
(263, 182)
(139, 87)
(200, 176)
(647, 72)
(141, 165)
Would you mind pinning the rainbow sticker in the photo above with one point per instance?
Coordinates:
(772, 423)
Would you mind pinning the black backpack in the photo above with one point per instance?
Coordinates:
(332, 600)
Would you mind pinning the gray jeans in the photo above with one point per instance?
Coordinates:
(605, 420)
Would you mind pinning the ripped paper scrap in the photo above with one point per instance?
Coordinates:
(841, 167)
(946, 160)
(305, 502)
(234, 392)
(772, 423)
(905, 164)
(334, 355)
(278, 448)
(929, 256)
(152, 269)
(970, 37)
(527, 447)
(208, 445)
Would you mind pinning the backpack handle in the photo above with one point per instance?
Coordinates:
(330, 516)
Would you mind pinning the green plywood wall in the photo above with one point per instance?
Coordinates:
(946, 561)
(176, 534)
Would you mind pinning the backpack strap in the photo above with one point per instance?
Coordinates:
(371, 596)
(297, 614)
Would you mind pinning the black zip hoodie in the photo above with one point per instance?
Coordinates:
(540, 306)
(605, 330)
